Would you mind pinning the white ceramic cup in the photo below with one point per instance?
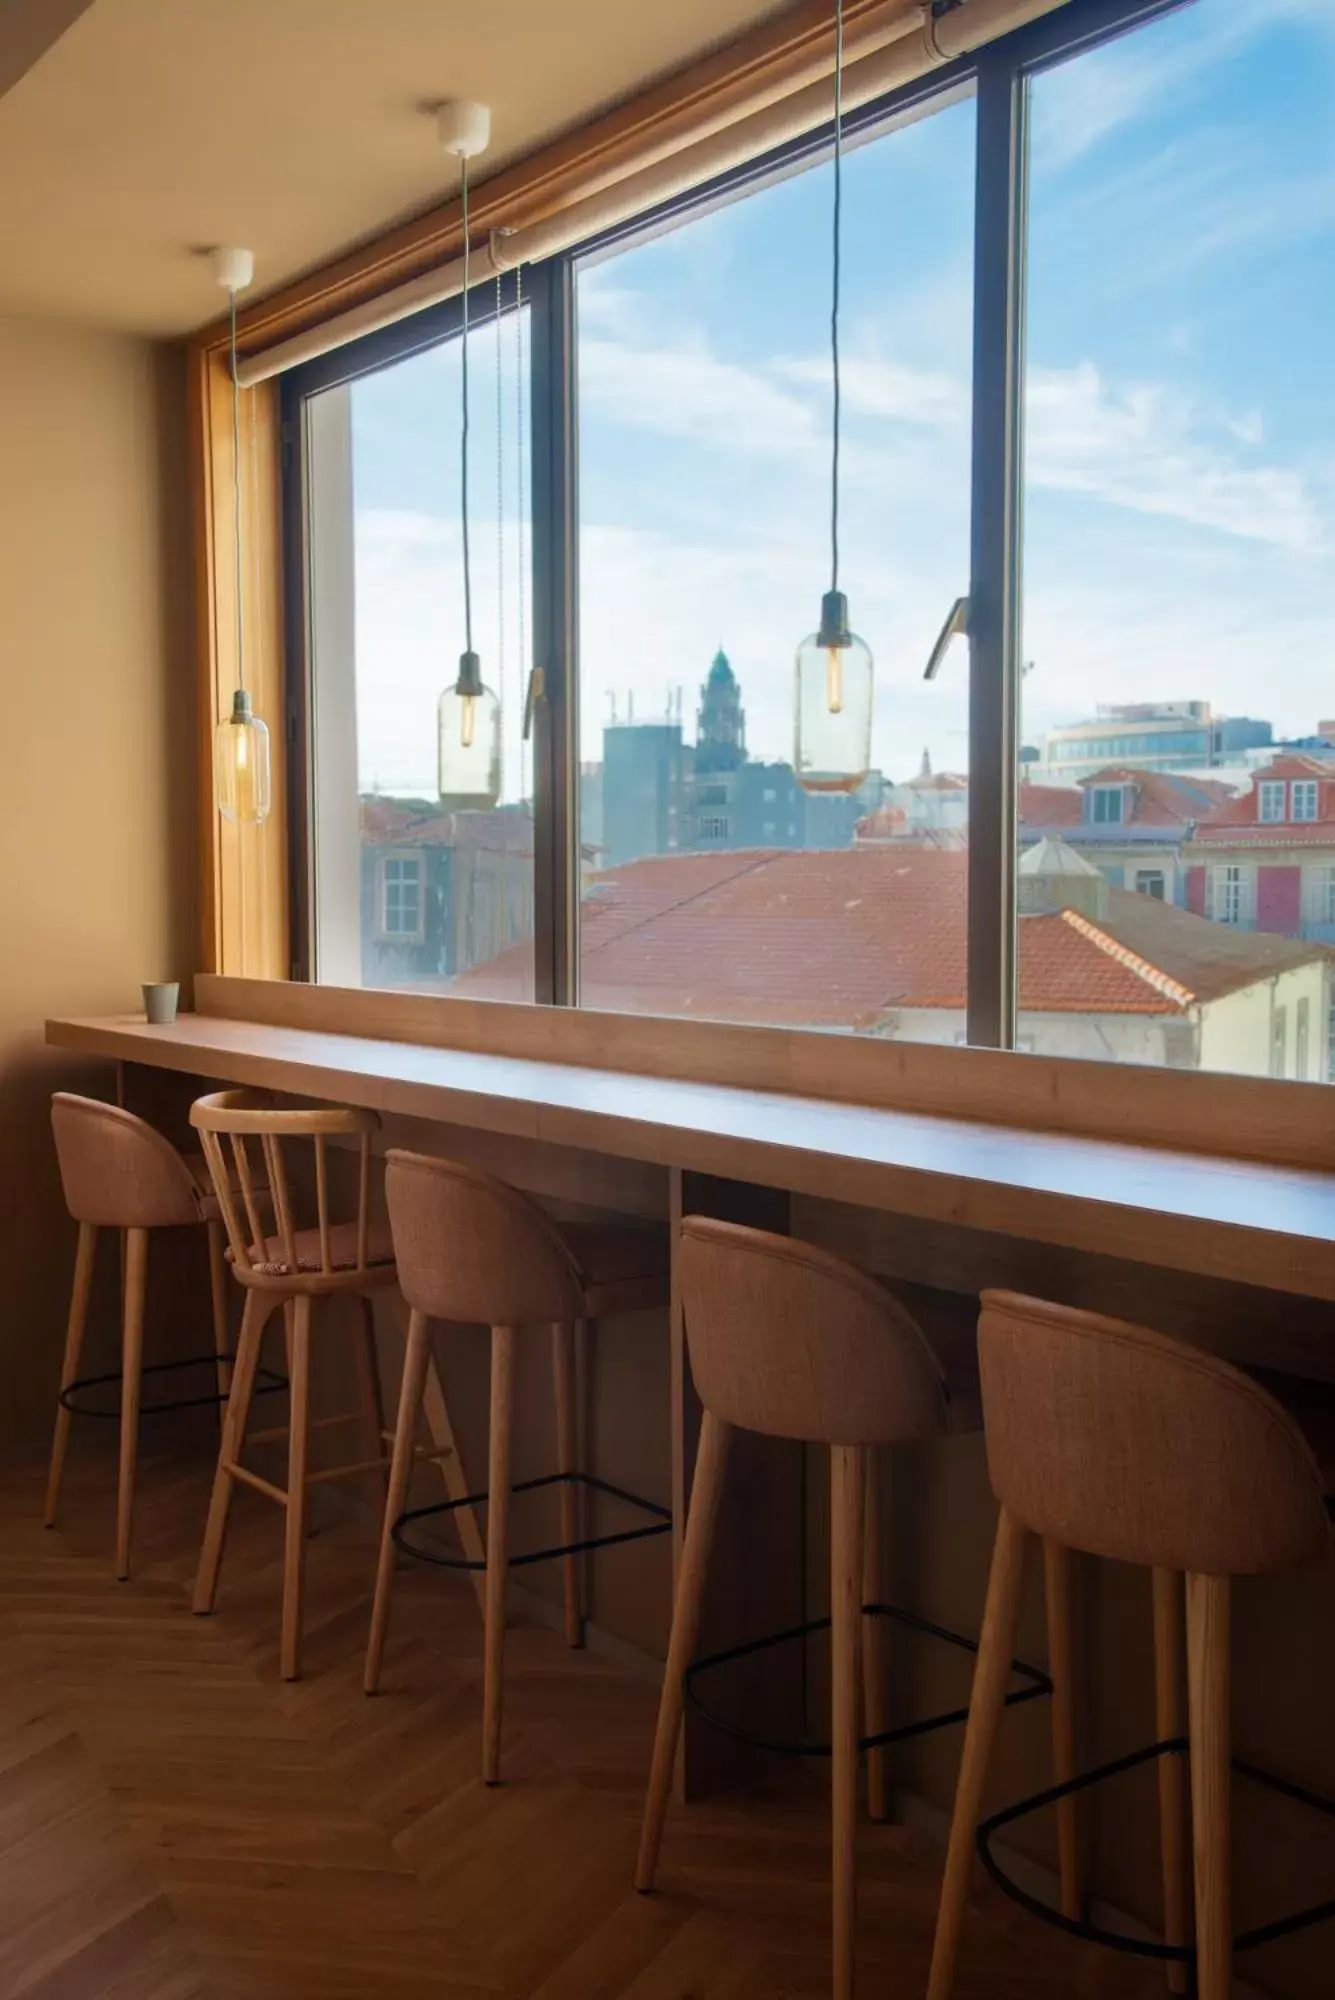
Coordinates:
(160, 998)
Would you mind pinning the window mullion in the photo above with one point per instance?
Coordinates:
(555, 635)
(994, 605)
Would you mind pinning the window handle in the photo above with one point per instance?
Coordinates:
(955, 627)
(537, 691)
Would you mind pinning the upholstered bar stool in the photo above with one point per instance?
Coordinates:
(476, 1251)
(295, 1268)
(1124, 1443)
(119, 1173)
(789, 1341)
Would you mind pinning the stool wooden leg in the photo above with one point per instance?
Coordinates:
(69, 1368)
(874, 1662)
(452, 1472)
(1172, 1773)
(847, 1500)
(1208, 1711)
(706, 1493)
(367, 1353)
(498, 1548)
(415, 1361)
(563, 1377)
(1059, 1592)
(218, 1299)
(298, 1436)
(991, 1675)
(229, 1451)
(132, 1361)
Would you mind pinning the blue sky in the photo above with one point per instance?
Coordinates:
(1180, 439)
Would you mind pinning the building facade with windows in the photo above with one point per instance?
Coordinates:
(1265, 861)
(1153, 736)
(441, 891)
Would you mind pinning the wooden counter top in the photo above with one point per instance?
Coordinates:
(1271, 1225)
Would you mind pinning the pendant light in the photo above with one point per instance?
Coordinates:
(468, 715)
(832, 733)
(241, 746)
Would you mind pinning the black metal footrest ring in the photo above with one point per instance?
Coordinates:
(660, 1525)
(267, 1383)
(1040, 1685)
(1174, 1746)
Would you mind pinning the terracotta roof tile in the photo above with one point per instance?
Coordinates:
(838, 938)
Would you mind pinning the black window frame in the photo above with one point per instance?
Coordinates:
(997, 75)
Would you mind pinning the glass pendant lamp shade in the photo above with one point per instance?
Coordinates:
(468, 719)
(242, 764)
(834, 703)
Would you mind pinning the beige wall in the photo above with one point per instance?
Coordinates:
(97, 821)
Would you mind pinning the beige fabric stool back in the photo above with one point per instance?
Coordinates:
(474, 1250)
(791, 1341)
(119, 1173)
(1128, 1444)
(116, 1171)
(1122, 1442)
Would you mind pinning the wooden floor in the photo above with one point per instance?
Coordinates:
(177, 1823)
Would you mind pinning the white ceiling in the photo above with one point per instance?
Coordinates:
(135, 132)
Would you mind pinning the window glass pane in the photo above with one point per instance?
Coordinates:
(1179, 509)
(454, 902)
(714, 885)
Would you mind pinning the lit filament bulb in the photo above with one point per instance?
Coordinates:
(834, 679)
(467, 720)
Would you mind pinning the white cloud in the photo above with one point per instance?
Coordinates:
(688, 392)
(1145, 447)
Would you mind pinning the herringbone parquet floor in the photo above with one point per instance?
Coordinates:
(177, 1824)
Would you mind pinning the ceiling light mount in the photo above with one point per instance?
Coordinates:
(233, 268)
(463, 128)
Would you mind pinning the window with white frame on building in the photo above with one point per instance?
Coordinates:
(1279, 1039)
(1323, 898)
(1108, 805)
(402, 901)
(1232, 899)
(1271, 802)
(1150, 882)
(1304, 800)
(1302, 1034)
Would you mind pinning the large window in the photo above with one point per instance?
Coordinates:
(715, 885)
(407, 889)
(1086, 392)
(1178, 514)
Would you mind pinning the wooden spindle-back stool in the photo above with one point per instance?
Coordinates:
(294, 1268)
(119, 1173)
(473, 1250)
(1112, 1439)
(792, 1342)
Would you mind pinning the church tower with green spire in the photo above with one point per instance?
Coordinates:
(720, 723)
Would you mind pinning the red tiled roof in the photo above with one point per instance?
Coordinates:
(837, 938)
(1273, 833)
(1241, 812)
(419, 823)
(1050, 805)
(1158, 798)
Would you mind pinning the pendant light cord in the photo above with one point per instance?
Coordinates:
(236, 491)
(463, 455)
(834, 287)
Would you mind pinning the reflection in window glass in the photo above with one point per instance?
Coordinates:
(713, 884)
(408, 892)
(1179, 511)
